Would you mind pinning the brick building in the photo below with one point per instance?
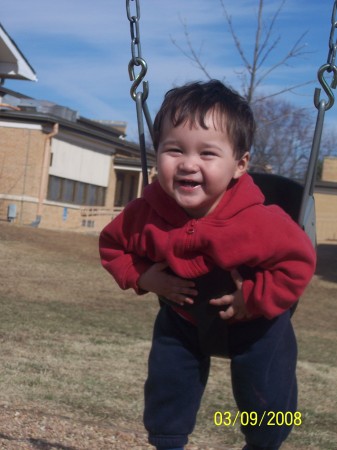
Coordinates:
(61, 171)
(57, 169)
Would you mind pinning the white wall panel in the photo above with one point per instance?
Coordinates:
(80, 164)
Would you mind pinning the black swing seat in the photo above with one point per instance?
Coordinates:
(281, 191)
(288, 194)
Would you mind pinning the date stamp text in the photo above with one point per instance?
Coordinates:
(254, 419)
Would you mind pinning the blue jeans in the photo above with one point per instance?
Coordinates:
(263, 357)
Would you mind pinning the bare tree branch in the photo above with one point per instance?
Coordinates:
(284, 133)
(295, 51)
(235, 37)
(282, 91)
(263, 48)
(270, 29)
(191, 54)
(252, 75)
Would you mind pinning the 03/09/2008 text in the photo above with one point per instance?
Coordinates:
(253, 418)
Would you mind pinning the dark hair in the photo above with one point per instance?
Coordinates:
(191, 103)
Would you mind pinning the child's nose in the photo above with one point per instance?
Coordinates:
(189, 164)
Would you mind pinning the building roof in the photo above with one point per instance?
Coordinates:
(16, 107)
(13, 63)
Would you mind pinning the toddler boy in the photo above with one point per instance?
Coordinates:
(202, 219)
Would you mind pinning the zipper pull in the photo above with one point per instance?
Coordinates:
(191, 227)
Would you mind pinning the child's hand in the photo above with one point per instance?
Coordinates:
(235, 302)
(176, 289)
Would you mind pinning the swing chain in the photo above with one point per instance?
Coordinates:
(329, 67)
(136, 49)
(139, 97)
(137, 59)
(332, 42)
(307, 212)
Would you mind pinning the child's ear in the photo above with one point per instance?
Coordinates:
(242, 165)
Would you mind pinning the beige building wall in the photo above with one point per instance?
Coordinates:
(21, 152)
(326, 217)
(21, 157)
(74, 218)
(326, 204)
(329, 170)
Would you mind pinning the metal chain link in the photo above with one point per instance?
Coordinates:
(137, 59)
(332, 39)
(136, 50)
(329, 67)
(139, 97)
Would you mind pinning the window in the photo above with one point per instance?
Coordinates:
(68, 187)
(126, 187)
(80, 193)
(55, 189)
(71, 191)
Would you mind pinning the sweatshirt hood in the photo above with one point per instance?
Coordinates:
(242, 193)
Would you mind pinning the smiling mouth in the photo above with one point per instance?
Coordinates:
(188, 183)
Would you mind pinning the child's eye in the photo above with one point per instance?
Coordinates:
(173, 151)
(208, 153)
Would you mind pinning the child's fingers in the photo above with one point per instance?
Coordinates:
(180, 292)
(182, 286)
(237, 278)
(188, 291)
(228, 314)
(181, 283)
(184, 291)
(180, 299)
(224, 300)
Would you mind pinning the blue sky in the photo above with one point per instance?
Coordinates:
(80, 49)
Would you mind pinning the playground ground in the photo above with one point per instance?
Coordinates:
(74, 352)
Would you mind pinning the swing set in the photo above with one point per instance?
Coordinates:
(296, 199)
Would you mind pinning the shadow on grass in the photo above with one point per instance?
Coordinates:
(39, 444)
(327, 262)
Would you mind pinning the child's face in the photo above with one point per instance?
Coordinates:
(195, 165)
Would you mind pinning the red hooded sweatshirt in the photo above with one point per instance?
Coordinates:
(240, 231)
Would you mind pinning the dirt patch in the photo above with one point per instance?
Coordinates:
(28, 428)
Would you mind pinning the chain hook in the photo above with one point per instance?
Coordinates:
(326, 87)
(139, 78)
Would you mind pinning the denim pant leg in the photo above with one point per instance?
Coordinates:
(264, 377)
(177, 376)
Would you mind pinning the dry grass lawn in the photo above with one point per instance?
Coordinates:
(74, 353)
